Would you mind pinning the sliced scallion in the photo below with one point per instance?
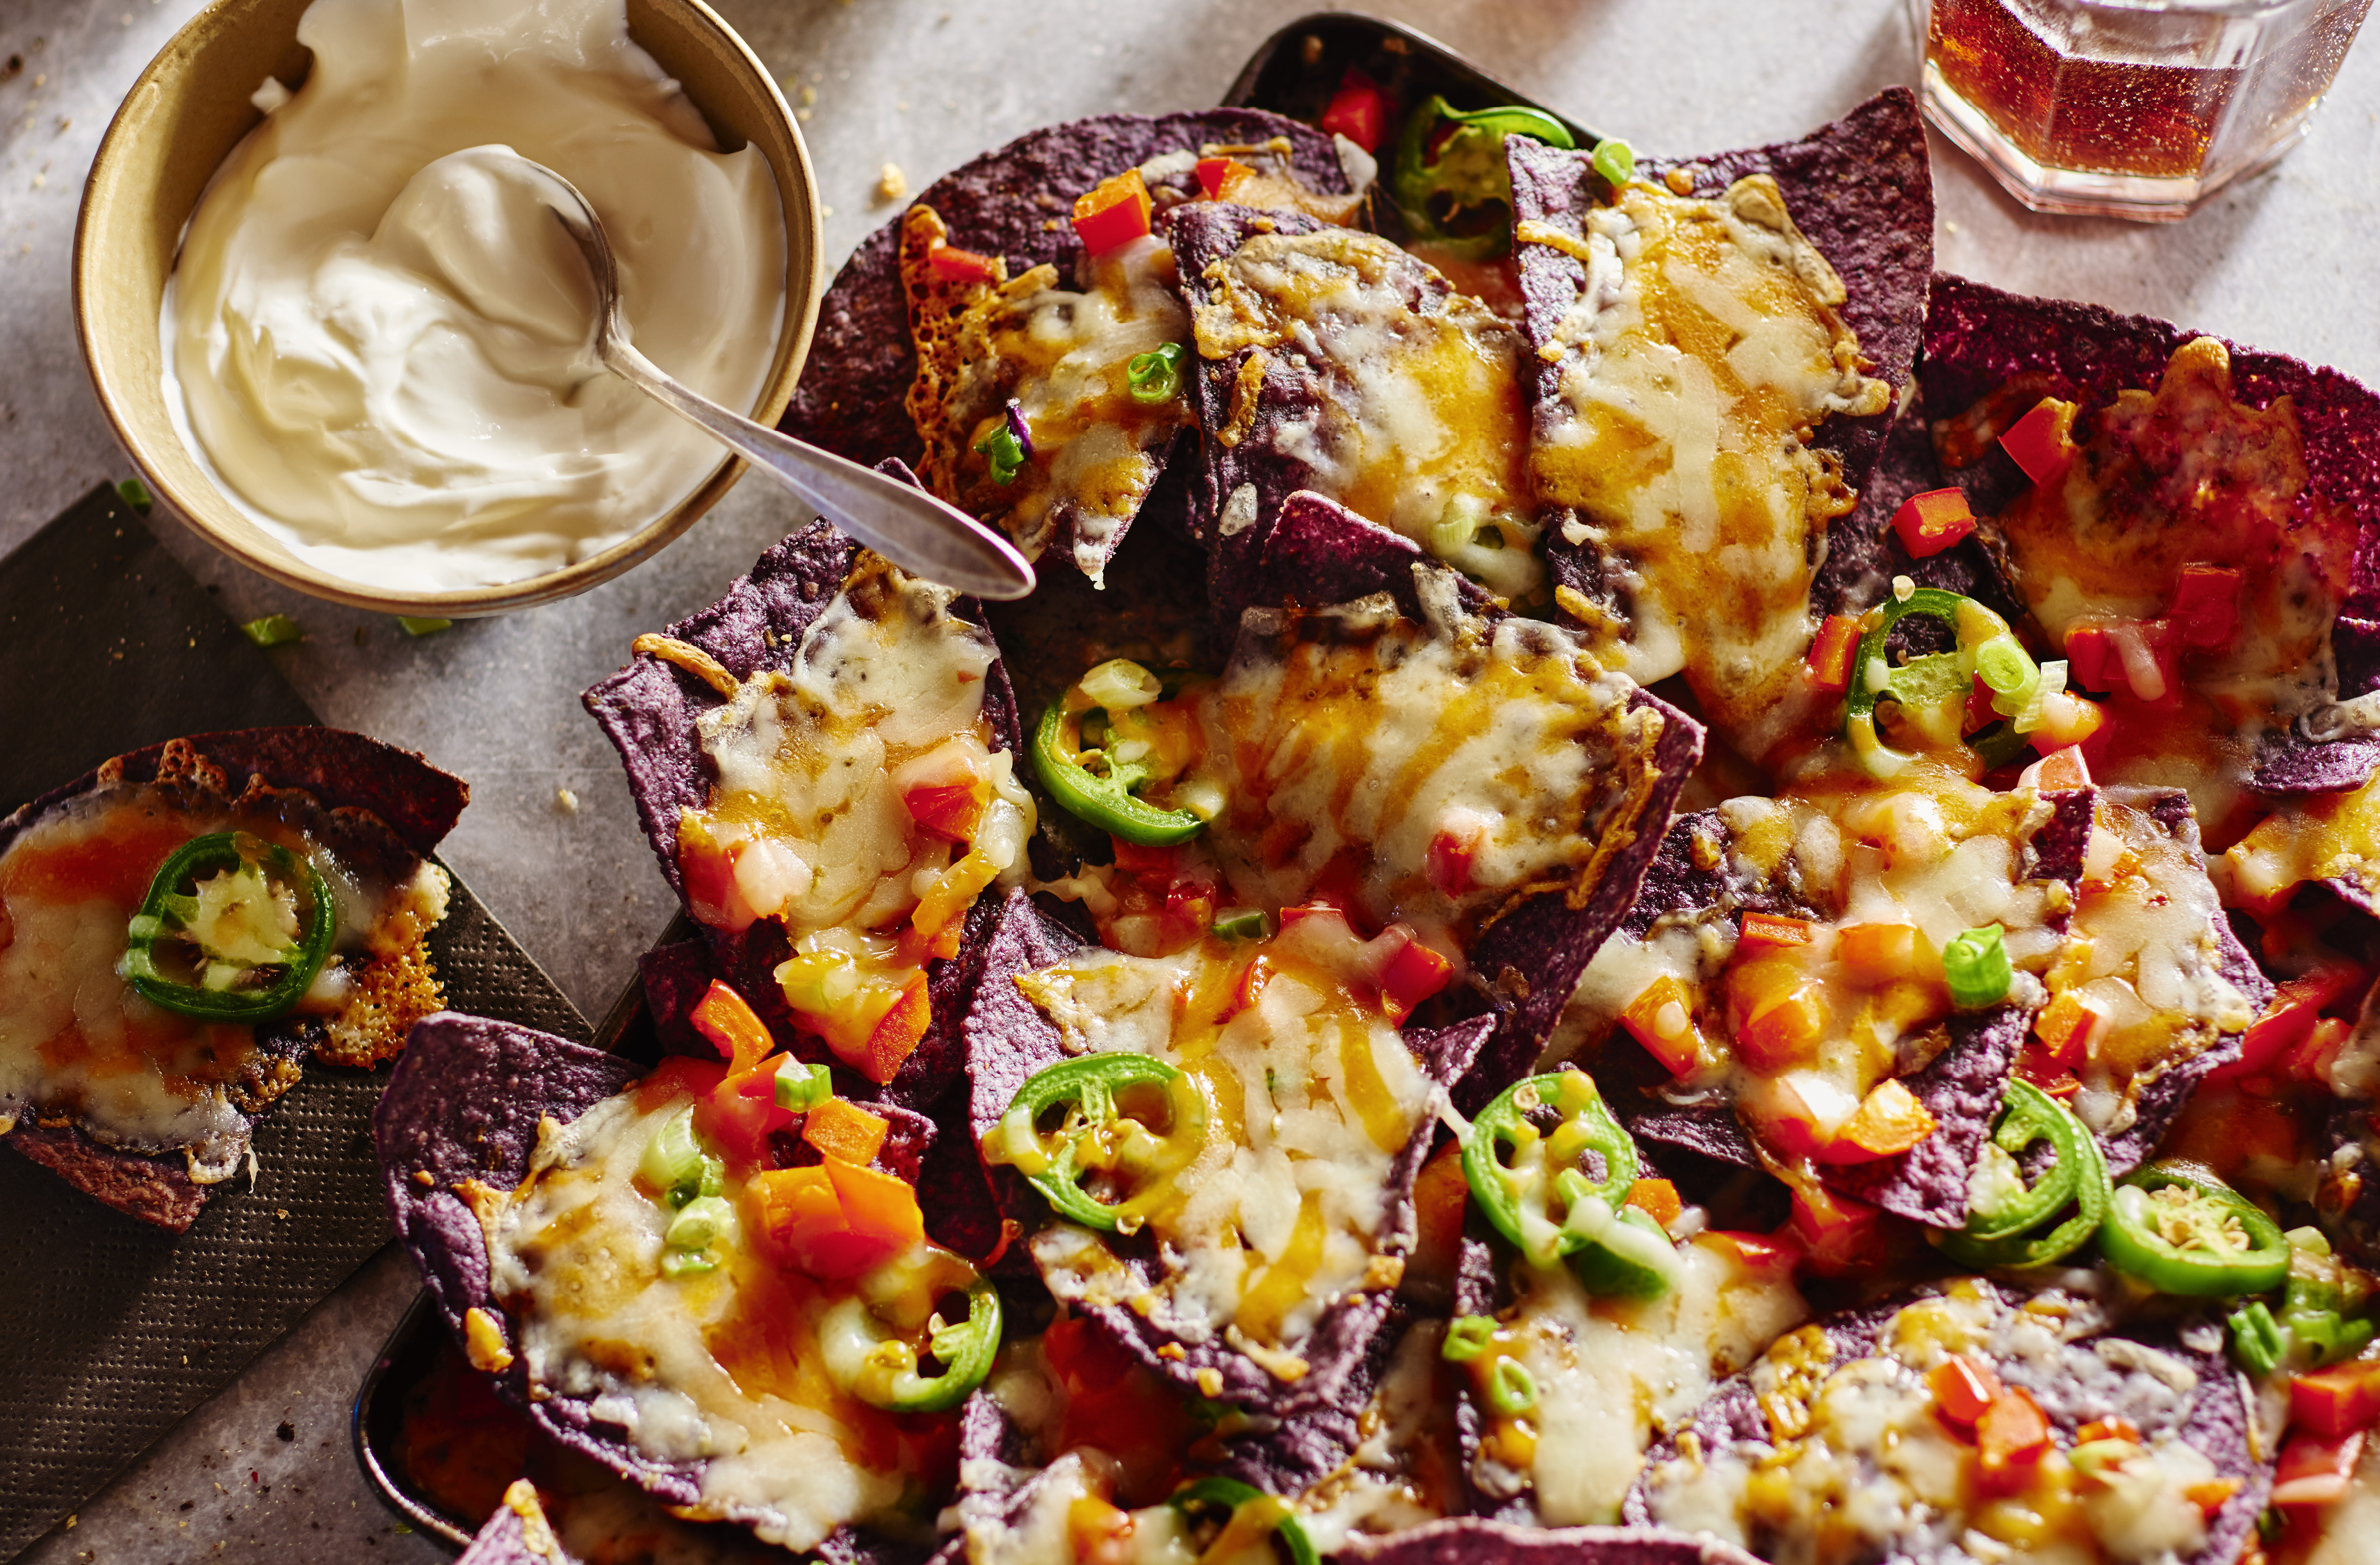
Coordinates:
(1975, 966)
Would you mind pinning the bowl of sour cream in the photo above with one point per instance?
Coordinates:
(343, 348)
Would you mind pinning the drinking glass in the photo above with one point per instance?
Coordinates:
(2128, 108)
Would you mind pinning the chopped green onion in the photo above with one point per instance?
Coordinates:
(705, 1219)
(1615, 160)
(2004, 665)
(673, 1156)
(687, 1263)
(1004, 449)
(2257, 1341)
(1511, 1390)
(1155, 376)
(413, 626)
(1466, 1338)
(1975, 965)
(1119, 685)
(136, 494)
(802, 1087)
(1458, 524)
(273, 630)
(1247, 924)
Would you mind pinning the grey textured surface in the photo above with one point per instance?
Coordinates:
(925, 84)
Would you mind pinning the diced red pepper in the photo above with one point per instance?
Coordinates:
(1448, 862)
(1828, 666)
(2066, 1027)
(896, 1035)
(1767, 930)
(2034, 1066)
(1153, 864)
(1657, 1199)
(2011, 1436)
(678, 1076)
(738, 1115)
(1358, 111)
(1412, 976)
(1115, 212)
(1306, 910)
(2042, 443)
(954, 265)
(728, 1021)
(1661, 1017)
(949, 810)
(2206, 605)
(2090, 654)
(2316, 1469)
(1216, 175)
(2337, 1400)
(2116, 654)
(1253, 978)
(1931, 522)
(1964, 1388)
(1837, 1234)
(2289, 1019)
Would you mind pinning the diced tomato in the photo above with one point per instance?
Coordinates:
(1768, 929)
(675, 1078)
(1216, 175)
(1931, 522)
(2288, 1024)
(2042, 443)
(1878, 954)
(1253, 978)
(1889, 1120)
(1305, 910)
(1759, 1252)
(2058, 771)
(1412, 976)
(1837, 1234)
(1828, 666)
(728, 1021)
(2115, 1428)
(1155, 864)
(954, 265)
(845, 1131)
(1452, 851)
(2066, 1026)
(2337, 1400)
(1661, 1017)
(898, 1034)
(2315, 1469)
(2011, 1436)
(1358, 111)
(1113, 212)
(708, 871)
(2206, 605)
(1964, 1387)
(950, 810)
(1657, 1199)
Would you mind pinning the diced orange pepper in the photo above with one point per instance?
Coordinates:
(877, 1206)
(835, 1220)
(844, 1130)
(1657, 1199)
(2067, 1028)
(1441, 1195)
(675, 1078)
(1767, 930)
(2011, 1436)
(949, 810)
(2212, 1495)
(1964, 1387)
(1412, 976)
(1837, 1234)
(2067, 719)
(1114, 212)
(793, 1206)
(2337, 1400)
(1931, 522)
(728, 1021)
(1216, 175)
(1878, 954)
(898, 1034)
(954, 265)
(2042, 443)
(1759, 1252)
(1828, 665)
(2316, 1469)
(1098, 1532)
(1661, 1017)
(1778, 1019)
(1888, 1121)
(2117, 1428)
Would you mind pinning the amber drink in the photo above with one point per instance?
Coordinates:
(2131, 108)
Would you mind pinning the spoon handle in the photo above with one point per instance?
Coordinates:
(906, 525)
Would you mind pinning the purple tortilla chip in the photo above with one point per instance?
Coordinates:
(2080, 1385)
(1013, 203)
(1470, 1540)
(1860, 190)
(517, 1533)
(1962, 1090)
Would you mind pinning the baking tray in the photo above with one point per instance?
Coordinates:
(111, 1330)
(1294, 72)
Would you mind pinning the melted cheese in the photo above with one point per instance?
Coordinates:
(1419, 407)
(1611, 1372)
(723, 1368)
(1355, 737)
(77, 1041)
(2328, 837)
(1703, 349)
(1857, 1465)
(1311, 1096)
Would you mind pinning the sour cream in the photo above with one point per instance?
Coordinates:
(381, 349)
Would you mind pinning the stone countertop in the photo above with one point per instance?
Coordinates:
(550, 842)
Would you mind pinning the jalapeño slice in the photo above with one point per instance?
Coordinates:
(1241, 1514)
(870, 1341)
(180, 954)
(1450, 182)
(1550, 1201)
(2017, 1224)
(2179, 1229)
(1104, 798)
(1101, 1097)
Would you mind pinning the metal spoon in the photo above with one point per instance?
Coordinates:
(905, 524)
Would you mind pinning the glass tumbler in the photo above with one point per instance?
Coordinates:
(2128, 108)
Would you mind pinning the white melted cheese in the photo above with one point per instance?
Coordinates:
(1611, 1373)
(77, 1039)
(1858, 1465)
(1311, 1095)
(722, 1369)
(1354, 732)
(1703, 348)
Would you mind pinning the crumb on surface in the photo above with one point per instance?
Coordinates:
(891, 185)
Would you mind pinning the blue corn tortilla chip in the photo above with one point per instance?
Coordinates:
(517, 1533)
(1471, 1540)
(2087, 1381)
(1012, 202)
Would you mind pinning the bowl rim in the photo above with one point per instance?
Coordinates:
(803, 223)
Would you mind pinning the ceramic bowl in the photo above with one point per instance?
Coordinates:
(188, 111)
